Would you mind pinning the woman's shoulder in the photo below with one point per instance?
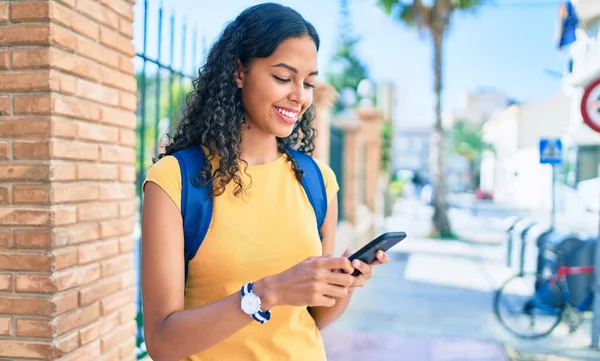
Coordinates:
(165, 173)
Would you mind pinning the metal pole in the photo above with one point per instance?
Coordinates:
(553, 214)
(596, 318)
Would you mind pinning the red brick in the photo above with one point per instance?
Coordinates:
(117, 154)
(29, 11)
(24, 261)
(127, 137)
(65, 301)
(32, 104)
(97, 171)
(65, 258)
(63, 38)
(26, 349)
(128, 313)
(97, 132)
(74, 150)
(5, 192)
(6, 238)
(62, 83)
(76, 108)
(117, 191)
(66, 343)
(17, 172)
(63, 172)
(97, 92)
(29, 34)
(127, 209)
(117, 264)
(126, 28)
(64, 128)
(102, 327)
(116, 41)
(94, 292)
(128, 279)
(3, 11)
(5, 105)
(41, 328)
(126, 244)
(6, 328)
(23, 216)
(76, 234)
(4, 58)
(26, 305)
(97, 251)
(33, 239)
(94, 51)
(27, 58)
(117, 79)
(21, 127)
(91, 351)
(126, 173)
(20, 81)
(25, 149)
(64, 216)
(73, 192)
(75, 65)
(75, 277)
(114, 228)
(117, 300)
(128, 101)
(118, 335)
(97, 211)
(6, 282)
(5, 150)
(31, 193)
(120, 117)
(77, 318)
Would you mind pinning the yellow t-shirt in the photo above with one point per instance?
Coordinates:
(261, 233)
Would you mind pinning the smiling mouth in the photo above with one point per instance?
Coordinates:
(287, 115)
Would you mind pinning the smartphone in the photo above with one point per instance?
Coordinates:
(367, 254)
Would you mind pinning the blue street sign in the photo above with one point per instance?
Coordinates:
(551, 151)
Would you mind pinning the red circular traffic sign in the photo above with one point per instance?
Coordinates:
(590, 105)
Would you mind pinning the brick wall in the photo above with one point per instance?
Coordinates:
(67, 99)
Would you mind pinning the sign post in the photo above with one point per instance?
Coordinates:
(590, 111)
(551, 152)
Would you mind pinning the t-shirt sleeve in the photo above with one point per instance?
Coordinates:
(165, 173)
(331, 184)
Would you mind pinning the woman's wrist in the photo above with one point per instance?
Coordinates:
(265, 289)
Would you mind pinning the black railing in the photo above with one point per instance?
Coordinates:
(162, 88)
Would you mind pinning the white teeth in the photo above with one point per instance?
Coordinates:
(287, 113)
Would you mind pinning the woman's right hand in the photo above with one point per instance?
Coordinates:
(313, 282)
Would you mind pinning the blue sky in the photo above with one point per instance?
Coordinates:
(506, 46)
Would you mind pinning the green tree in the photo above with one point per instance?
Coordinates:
(467, 141)
(347, 68)
(434, 20)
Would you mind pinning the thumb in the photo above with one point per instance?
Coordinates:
(347, 253)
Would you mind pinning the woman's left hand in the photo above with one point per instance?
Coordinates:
(366, 270)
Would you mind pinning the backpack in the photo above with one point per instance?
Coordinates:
(196, 204)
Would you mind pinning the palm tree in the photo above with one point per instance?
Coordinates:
(433, 19)
(467, 141)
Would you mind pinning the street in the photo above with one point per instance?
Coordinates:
(433, 302)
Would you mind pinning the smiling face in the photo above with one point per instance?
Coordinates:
(277, 90)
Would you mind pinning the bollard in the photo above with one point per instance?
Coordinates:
(509, 225)
(536, 236)
(518, 231)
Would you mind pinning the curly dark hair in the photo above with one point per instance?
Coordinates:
(214, 115)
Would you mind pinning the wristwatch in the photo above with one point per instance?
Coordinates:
(251, 304)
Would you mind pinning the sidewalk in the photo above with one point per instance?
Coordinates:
(433, 302)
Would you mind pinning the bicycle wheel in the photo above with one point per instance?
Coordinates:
(527, 313)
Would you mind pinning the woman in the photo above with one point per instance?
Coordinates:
(252, 99)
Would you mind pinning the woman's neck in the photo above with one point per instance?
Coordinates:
(258, 147)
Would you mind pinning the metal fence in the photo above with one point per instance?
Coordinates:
(336, 162)
(162, 88)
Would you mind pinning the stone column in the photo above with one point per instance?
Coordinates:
(372, 121)
(351, 167)
(324, 98)
(67, 98)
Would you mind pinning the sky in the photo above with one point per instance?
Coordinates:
(508, 46)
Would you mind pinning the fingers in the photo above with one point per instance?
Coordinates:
(382, 258)
(363, 268)
(338, 279)
(337, 263)
(334, 291)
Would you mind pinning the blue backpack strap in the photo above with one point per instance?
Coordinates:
(196, 201)
(313, 184)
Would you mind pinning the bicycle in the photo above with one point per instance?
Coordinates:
(551, 300)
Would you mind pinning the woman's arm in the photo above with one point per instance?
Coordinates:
(171, 332)
(324, 316)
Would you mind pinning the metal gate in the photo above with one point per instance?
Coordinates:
(336, 162)
(161, 92)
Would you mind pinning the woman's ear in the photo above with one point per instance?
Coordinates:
(239, 73)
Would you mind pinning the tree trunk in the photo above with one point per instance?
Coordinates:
(440, 219)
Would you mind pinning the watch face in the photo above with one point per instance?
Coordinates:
(250, 304)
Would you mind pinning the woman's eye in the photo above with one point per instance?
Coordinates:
(308, 85)
(281, 80)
